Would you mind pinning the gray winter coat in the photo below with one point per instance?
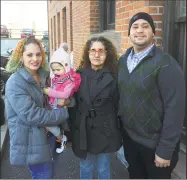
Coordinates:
(27, 118)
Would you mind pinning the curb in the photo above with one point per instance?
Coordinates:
(4, 133)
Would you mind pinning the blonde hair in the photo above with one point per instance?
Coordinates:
(15, 59)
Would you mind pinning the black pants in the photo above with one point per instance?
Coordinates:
(141, 161)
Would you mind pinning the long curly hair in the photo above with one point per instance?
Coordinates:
(15, 59)
(111, 57)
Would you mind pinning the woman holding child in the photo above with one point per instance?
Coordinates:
(27, 117)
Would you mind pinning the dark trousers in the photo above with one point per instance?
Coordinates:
(141, 161)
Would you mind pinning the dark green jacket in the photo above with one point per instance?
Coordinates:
(152, 101)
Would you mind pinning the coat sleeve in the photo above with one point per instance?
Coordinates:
(64, 94)
(171, 84)
(115, 93)
(27, 110)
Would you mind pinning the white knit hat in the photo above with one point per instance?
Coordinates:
(64, 46)
(62, 57)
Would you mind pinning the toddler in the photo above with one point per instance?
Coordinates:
(64, 83)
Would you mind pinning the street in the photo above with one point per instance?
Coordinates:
(66, 167)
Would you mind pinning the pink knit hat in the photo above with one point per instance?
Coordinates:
(62, 57)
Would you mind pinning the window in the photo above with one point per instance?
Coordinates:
(107, 14)
(181, 6)
(58, 24)
(64, 25)
(71, 27)
(52, 33)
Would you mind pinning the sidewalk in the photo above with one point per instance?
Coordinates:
(178, 173)
(3, 134)
(180, 170)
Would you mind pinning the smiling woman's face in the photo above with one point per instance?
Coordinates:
(32, 57)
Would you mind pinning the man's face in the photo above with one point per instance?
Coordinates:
(141, 33)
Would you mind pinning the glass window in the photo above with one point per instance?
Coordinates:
(107, 14)
(181, 8)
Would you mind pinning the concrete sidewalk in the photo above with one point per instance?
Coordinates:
(4, 133)
(178, 173)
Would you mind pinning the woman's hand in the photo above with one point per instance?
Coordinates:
(63, 102)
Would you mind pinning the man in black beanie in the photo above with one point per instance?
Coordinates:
(152, 103)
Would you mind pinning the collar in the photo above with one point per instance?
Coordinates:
(43, 74)
(89, 69)
(141, 53)
(151, 52)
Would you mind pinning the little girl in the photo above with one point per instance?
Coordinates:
(64, 83)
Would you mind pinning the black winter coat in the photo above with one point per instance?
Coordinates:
(95, 126)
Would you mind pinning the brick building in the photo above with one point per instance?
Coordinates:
(76, 21)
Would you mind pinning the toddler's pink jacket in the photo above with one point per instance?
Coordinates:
(64, 86)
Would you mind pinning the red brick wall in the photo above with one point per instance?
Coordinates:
(125, 9)
(85, 21)
(52, 11)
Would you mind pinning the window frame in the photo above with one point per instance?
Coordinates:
(52, 38)
(107, 11)
(64, 24)
(54, 21)
(171, 28)
(179, 18)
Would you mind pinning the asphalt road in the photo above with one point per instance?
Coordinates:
(66, 167)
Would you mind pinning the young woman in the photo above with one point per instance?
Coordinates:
(26, 115)
(95, 127)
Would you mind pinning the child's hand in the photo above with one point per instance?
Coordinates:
(46, 91)
(63, 102)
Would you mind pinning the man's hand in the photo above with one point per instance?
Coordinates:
(63, 102)
(159, 162)
(46, 91)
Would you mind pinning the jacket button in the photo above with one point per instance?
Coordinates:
(92, 126)
(99, 100)
(81, 99)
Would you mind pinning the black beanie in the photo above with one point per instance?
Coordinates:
(142, 15)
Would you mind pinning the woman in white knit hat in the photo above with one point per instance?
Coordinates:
(64, 83)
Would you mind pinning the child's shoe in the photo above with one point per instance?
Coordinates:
(63, 142)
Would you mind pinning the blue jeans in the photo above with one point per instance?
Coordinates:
(41, 171)
(45, 170)
(103, 161)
